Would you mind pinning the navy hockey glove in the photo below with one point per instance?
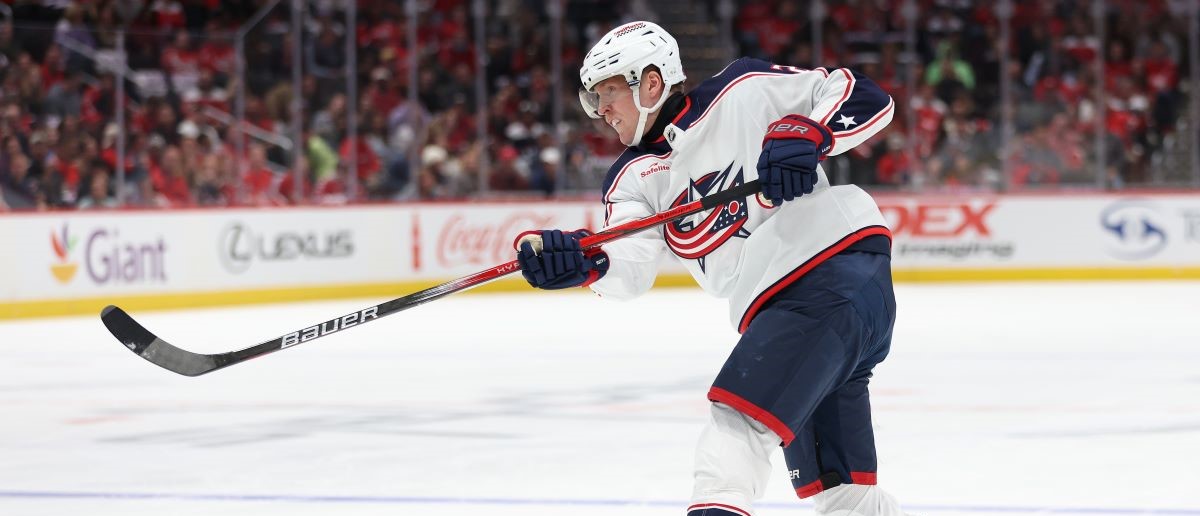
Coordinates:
(553, 260)
(787, 166)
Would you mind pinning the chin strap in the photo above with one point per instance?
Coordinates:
(644, 112)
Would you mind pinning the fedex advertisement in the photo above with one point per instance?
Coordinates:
(1044, 231)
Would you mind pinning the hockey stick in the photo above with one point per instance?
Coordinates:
(161, 353)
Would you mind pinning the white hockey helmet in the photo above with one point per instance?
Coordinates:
(627, 51)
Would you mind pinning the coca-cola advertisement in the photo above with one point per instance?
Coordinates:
(458, 240)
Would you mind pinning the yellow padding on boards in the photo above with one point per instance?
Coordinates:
(183, 300)
(144, 302)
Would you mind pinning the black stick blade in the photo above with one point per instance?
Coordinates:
(148, 346)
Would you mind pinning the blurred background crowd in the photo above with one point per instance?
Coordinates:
(178, 103)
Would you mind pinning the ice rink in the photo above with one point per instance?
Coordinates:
(997, 399)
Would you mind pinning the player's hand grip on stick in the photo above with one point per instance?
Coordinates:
(792, 148)
(553, 259)
(163, 354)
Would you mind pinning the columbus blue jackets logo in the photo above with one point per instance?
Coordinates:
(696, 236)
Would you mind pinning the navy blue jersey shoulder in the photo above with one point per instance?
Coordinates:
(707, 92)
(615, 169)
(865, 102)
(630, 154)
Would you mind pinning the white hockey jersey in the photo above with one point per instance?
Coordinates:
(744, 251)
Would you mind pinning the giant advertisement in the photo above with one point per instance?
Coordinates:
(85, 254)
(92, 255)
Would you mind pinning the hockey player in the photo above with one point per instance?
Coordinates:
(805, 265)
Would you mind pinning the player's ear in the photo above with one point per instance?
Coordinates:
(655, 85)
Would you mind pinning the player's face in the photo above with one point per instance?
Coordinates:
(616, 106)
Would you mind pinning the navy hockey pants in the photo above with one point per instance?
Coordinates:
(802, 366)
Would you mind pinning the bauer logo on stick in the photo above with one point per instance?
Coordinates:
(328, 327)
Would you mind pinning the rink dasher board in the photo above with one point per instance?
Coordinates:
(1045, 236)
(78, 262)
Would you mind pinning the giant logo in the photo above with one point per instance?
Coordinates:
(694, 239)
(108, 258)
(63, 244)
(1135, 229)
(241, 246)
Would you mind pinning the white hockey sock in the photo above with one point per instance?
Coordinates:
(733, 461)
(856, 500)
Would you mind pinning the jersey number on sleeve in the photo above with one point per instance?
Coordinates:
(786, 68)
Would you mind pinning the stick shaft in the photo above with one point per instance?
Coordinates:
(141, 341)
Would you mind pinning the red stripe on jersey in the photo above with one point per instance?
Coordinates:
(845, 95)
(799, 272)
(810, 489)
(869, 123)
(866, 478)
(754, 411)
(687, 104)
(721, 506)
(702, 239)
(726, 89)
(856, 477)
(709, 245)
(617, 180)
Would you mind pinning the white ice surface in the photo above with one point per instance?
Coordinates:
(1027, 398)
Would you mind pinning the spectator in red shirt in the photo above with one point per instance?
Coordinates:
(775, 32)
(894, 167)
(382, 92)
(180, 60)
(108, 149)
(752, 16)
(54, 67)
(457, 51)
(1079, 43)
(168, 14)
(1161, 72)
(258, 178)
(369, 165)
(454, 25)
(216, 52)
(930, 112)
(174, 181)
(206, 93)
(505, 176)
(287, 189)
